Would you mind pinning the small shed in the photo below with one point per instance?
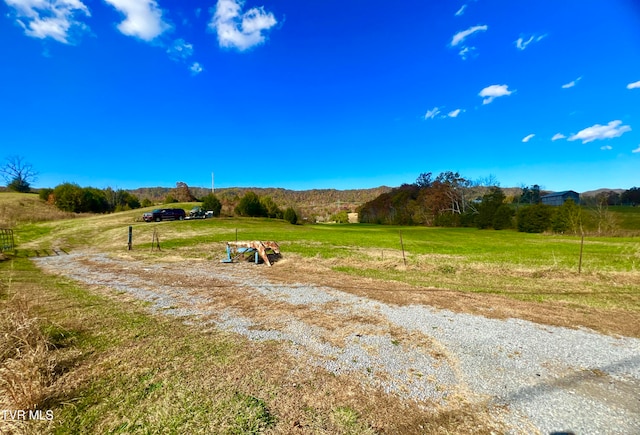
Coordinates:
(559, 198)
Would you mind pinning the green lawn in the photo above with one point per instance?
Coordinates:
(524, 266)
(110, 232)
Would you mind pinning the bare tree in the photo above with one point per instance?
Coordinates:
(18, 174)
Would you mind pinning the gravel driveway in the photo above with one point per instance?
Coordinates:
(537, 378)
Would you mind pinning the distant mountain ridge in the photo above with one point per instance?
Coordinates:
(602, 190)
(313, 202)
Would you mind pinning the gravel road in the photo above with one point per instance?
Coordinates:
(537, 378)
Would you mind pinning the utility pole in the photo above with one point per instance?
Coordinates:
(213, 190)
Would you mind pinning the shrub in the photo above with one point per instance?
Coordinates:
(291, 216)
(68, 197)
(212, 203)
(251, 206)
(503, 218)
(44, 194)
(534, 219)
(271, 208)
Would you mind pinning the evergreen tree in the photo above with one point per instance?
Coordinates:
(534, 219)
(212, 203)
(487, 209)
(251, 206)
(291, 216)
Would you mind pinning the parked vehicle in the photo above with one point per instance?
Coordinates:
(164, 214)
(197, 213)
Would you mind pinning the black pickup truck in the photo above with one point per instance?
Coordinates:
(164, 214)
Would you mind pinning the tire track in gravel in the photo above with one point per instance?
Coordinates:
(549, 378)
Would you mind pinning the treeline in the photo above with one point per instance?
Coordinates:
(73, 198)
(312, 205)
(451, 200)
(611, 197)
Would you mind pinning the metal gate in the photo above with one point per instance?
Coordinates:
(6, 240)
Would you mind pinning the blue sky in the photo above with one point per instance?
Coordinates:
(305, 94)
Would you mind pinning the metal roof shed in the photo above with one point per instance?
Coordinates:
(559, 198)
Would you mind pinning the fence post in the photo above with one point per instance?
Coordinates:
(581, 248)
(404, 259)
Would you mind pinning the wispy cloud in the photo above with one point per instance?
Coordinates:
(637, 150)
(634, 85)
(521, 43)
(606, 147)
(527, 138)
(454, 113)
(240, 30)
(143, 18)
(461, 10)
(431, 114)
(599, 132)
(459, 37)
(55, 19)
(571, 83)
(492, 92)
(196, 68)
(465, 52)
(558, 136)
(180, 50)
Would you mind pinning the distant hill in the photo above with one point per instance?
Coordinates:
(316, 203)
(591, 193)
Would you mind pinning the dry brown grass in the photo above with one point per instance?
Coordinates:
(27, 366)
(21, 208)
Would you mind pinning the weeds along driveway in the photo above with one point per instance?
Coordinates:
(533, 377)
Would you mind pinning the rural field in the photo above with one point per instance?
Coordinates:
(356, 329)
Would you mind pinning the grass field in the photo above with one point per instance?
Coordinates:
(107, 366)
(536, 267)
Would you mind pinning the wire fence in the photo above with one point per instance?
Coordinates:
(6, 240)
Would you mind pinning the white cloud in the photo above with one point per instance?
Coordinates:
(521, 44)
(494, 91)
(454, 113)
(466, 52)
(459, 37)
(180, 50)
(606, 147)
(461, 10)
(143, 18)
(54, 19)
(431, 114)
(527, 138)
(458, 40)
(558, 136)
(196, 68)
(240, 30)
(598, 132)
(637, 150)
(571, 83)
(635, 85)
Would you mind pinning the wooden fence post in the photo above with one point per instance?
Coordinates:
(404, 259)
